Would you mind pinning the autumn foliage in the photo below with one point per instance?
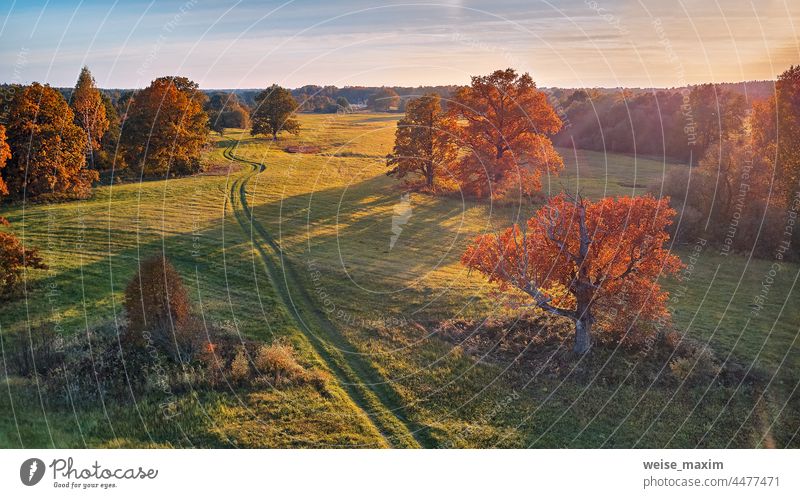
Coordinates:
(585, 261)
(506, 123)
(47, 148)
(90, 112)
(166, 128)
(159, 310)
(14, 257)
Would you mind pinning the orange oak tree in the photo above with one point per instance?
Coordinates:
(166, 128)
(14, 256)
(506, 121)
(48, 149)
(607, 256)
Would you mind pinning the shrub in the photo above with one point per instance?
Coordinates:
(240, 366)
(159, 310)
(14, 258)
(695, 361)
(278, 361)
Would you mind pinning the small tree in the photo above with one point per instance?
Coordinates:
(507, 123)
(607, 256)
(90, 112)
(225, 111)
(274, 113)
(342, 104)
(108, 156)
(383, 100)
(423, 141)
(14, 257)
(158, 307)
(48, 150)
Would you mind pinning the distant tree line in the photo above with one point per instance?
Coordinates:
(744, 195)
(680, 124)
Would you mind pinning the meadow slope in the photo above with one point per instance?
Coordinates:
(324, 249)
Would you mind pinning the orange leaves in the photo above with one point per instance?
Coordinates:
(90, 113)
(507, 121)
(5, 155)
(608, 254)
(47, 148)
(166, 128)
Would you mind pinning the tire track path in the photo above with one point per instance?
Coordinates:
(365, 386)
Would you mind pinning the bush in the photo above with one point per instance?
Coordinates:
(159, 312)
(240, 366)
(278, 361)
(14, 258)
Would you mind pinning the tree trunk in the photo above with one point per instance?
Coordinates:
(583, 334)
(429, 176)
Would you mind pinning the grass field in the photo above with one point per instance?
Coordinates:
(300, 246)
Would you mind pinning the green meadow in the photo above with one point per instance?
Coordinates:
(322, 248)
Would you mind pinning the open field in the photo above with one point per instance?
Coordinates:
(274, 244)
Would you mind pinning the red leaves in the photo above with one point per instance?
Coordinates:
(622, 255)
(505, 134)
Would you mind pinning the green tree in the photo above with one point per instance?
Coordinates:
(383, 100)
(108, 157)
(787, 98)
(48, 158)
(343, 104)
(423, 140)
(274, 113)
(165, 128)
(90, 112)
(225, 111)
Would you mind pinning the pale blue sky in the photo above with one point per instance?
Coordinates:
(249, 44)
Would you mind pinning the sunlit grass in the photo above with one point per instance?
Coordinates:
(332, 213)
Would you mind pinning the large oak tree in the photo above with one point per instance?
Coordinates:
(585, 261)
(165, 128)
(506, 123)
(47, 148)
(14, 256)
(274, 112)
(423, 141)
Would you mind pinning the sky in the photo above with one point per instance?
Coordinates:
(252, 44)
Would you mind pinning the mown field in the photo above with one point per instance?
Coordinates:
(322, 248)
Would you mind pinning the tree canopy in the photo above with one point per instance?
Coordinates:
(225, 111)
(585, 261)
(383, 100)
(14, 256)
(506, 126)
(166, 128)
(274, 112)
(423, 141)
(90, 112)
(48, 149)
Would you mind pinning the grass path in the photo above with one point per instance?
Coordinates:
(369, 391)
